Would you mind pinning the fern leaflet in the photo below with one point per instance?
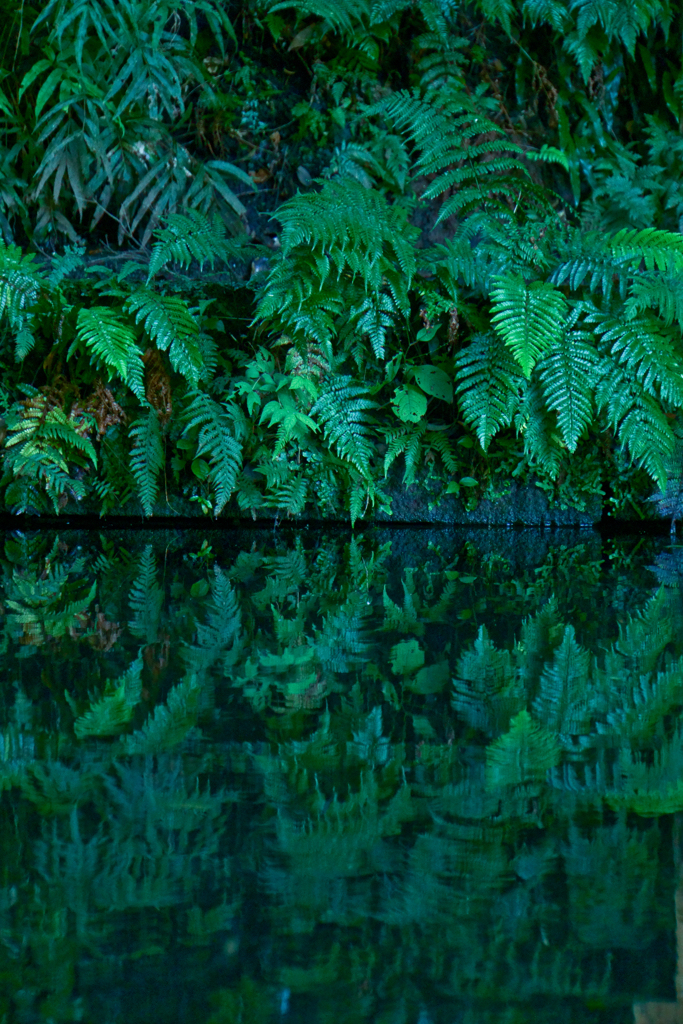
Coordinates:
(147, 457)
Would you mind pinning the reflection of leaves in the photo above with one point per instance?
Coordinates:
(406, 657)
(146, 599)
(562, 702)
(115, 707)
(486, 691)
(527, 751)
(170, 722)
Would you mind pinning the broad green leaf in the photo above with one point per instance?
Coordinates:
(435, 382)
(409, 404)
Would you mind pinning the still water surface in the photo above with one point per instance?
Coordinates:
(415, 777)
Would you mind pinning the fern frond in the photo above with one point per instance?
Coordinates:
(565, 373)
(354, 225)
(657, 249)
(646, 349)
(217, 442)
(534, 421)
(170, 324)
(170, 722)
(487, 384)
(406, 441)
(20, 282)
(455, 143)
(342, 410)
(146, 599)
(147, 457)
(102, 331)
(528, 317)
(191, 236)
(637, 418)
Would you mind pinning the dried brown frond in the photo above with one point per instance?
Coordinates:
(157, 384)
(104, 407)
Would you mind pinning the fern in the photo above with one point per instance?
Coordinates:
(564, 373)
(146, 599)
(170, 324)
(342, 409)
(41, 444)
(637, 418)
(20, 283)
(488, 384)
(646, 349)
(112, 341)
(147, 457)
(191, 236)
(216, 441)
(447, 130)
(528, 317)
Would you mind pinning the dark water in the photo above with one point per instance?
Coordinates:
(408, 778)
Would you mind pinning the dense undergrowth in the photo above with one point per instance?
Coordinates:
(472, 267)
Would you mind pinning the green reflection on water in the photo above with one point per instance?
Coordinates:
(412, 777)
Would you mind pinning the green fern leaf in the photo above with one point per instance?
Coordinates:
(191, 236)
(565, 373)
(637, 418)
(487, 384)
(646, 349)
(170, 722)
(542, 444)
(102, 331)
(147, 457)
(528, 317)
(216, 441)
(342, 409)
(115, 707)
(170, 324)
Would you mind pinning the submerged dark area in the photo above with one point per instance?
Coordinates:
(406, 776)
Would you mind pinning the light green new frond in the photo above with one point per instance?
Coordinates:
(147, 457)
(170, 324)
(646, 349)
(190, 236)
(528, 317)
(640, 424)
(216, 441)
(487, 384)
(565, 373)
(107, 336)
(342, 410)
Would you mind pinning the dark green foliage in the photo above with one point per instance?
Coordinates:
(474, 255)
